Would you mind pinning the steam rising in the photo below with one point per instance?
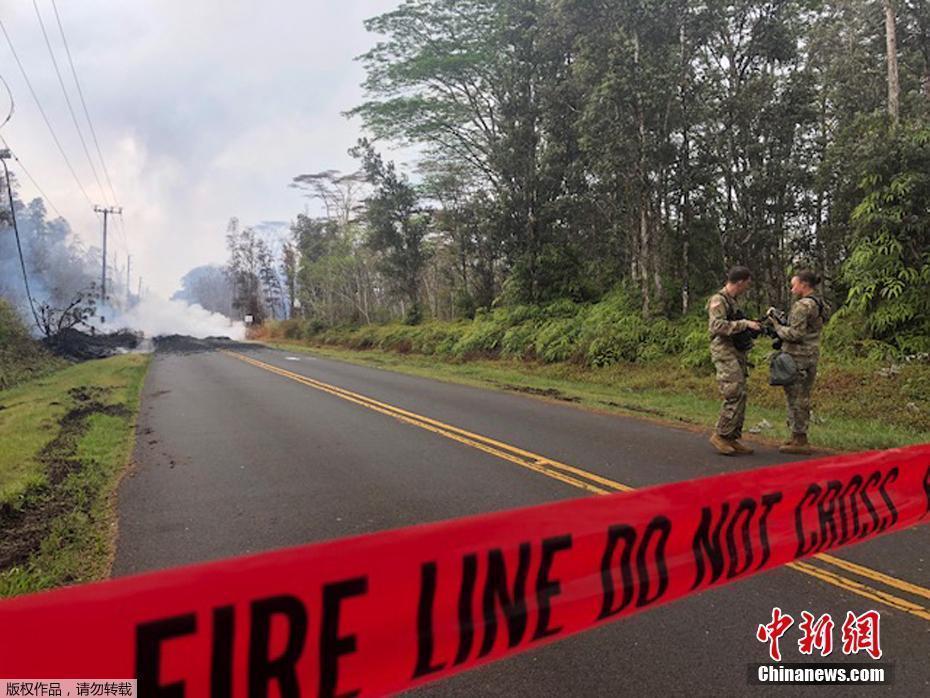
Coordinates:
(154, 316)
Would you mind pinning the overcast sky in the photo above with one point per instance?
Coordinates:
(205, 109)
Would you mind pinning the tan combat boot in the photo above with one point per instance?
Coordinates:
(741, 448)
(722, 445)
(798, 445)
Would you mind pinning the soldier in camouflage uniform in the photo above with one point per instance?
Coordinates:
(724, 322)
(801, 338)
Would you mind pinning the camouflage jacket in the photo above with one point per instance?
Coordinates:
(720, 308)
(801, 336)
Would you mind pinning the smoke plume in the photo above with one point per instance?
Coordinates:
(155, 316)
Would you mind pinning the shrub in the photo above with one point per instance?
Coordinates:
(21, 357)
(519, 314)
(610, 343)
(556, 339)
(519, 340)
(365, 337)
(397, 338)
(563, 308)
(289, 329)
(696, 350)
(846, 336)
(481, 338)
(665, 338)
(446, 346)
(611, 331)
(311, 328)
(601, 334)
(916, 385)
(430, 337)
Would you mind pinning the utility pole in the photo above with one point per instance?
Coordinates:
(128, 287)
(106, 211)
(139, 295)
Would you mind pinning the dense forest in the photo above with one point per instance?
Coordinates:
(573, 148)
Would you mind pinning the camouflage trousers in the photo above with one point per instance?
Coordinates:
(798, 395)
(732, 373)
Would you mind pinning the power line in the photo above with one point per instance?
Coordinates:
(64, 91)
(90, 123)
(19, 162)
(19, 246)
(12, 102)
(12, 155)
(44, 116)
(122, 230)
(120, 227)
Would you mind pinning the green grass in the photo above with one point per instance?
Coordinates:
(854, 407)
(42, 431)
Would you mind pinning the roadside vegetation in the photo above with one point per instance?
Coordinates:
(67, 438)
(21, 357)
(869, 393)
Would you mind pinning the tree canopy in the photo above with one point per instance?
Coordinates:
(570, 148)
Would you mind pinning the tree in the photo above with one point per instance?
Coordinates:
(573, 146)
(916, 18)
(338, 193)
(77, 311)
(272, 291)
(289, 265)
(244, 269)
(889, 269)
(396, 226)
(433, 79)
(469, 243)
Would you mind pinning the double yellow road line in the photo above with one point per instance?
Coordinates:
(546, 466)
(596, 484)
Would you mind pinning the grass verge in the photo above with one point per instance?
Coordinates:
(856, 408)
(67, 439)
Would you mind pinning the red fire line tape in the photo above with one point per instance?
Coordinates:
(379, 613)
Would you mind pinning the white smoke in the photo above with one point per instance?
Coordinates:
(154, 316)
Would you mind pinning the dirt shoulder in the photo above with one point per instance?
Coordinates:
(67, 441)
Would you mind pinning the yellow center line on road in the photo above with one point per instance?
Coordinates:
(860, 589)
(597, 484)
(874, 575)
(553, 468)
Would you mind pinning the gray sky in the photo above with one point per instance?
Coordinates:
(204, 109)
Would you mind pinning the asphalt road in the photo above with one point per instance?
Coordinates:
(234, 459)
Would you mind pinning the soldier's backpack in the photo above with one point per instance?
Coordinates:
(821, 307)
(783, 370)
